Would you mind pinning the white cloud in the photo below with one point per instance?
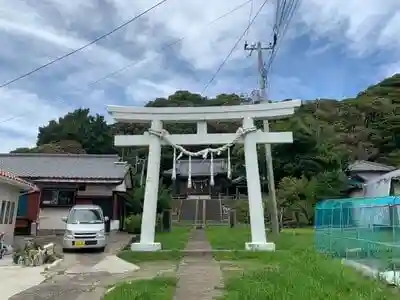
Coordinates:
(204, 46)
(33, 33)
(21, 115)
(356, 25)
(390, 69)
(145, 90)
(13, 142)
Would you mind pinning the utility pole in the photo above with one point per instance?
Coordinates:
(268, 154)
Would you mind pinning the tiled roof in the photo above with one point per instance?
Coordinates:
(68, 166)
(200, 167)
(18, 181)
(369, 166)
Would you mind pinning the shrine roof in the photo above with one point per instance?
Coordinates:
(200, 167)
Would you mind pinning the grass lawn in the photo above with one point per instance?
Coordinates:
(295, 271)
(155, 289)
(174, 241)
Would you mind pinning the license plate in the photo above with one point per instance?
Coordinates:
(79, 243)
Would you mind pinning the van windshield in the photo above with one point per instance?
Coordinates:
(85, 216)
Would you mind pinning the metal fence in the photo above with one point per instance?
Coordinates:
(366, 230)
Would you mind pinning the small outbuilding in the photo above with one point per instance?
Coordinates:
(11, 188)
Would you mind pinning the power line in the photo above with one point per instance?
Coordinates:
(233, 48)
(283, 11)
(84, 46)
(284, 15)
(133, 63)
(250, 15)
(281, 36)
(169, 45)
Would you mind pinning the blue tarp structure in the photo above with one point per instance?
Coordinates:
(362, 227)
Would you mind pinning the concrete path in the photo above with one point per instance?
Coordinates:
(199, 275)
(85, 276)
(15, 279)
(91, 285)
(79, 273)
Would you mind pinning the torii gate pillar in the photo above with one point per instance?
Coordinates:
(201, 115)
(149, 215)
(256, 207)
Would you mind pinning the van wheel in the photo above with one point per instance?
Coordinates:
(102, 249)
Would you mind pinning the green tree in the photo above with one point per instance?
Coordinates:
(298, 196)
(92, 132)
(62, 146)
(327, 135)
(22, 150)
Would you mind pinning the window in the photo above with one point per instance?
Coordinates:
(7, 214)
(85, 216)
(7, 210)
(10, 221)
(58, 197)
(395, 188)
(2, 211)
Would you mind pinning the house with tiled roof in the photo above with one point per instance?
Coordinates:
(64, 180)
(364, 177)
(11, 188)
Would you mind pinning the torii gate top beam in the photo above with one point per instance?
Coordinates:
(133, 114)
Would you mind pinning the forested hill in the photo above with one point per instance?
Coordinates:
(328, 134)
(326, 131)
(368, 126)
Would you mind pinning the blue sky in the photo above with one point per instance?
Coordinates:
(333, 49)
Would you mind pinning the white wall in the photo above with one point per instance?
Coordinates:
(11, 194)
(378, 183)
(371, 175)
(380, 187)
(50, 218)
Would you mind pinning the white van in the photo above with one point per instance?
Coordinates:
(85, 228)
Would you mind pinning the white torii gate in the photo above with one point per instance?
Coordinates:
(248, 135)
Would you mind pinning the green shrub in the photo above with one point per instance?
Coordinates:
(242, 211)
(134, 200)
(164, 199)
(133, 224)
(159, 224)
